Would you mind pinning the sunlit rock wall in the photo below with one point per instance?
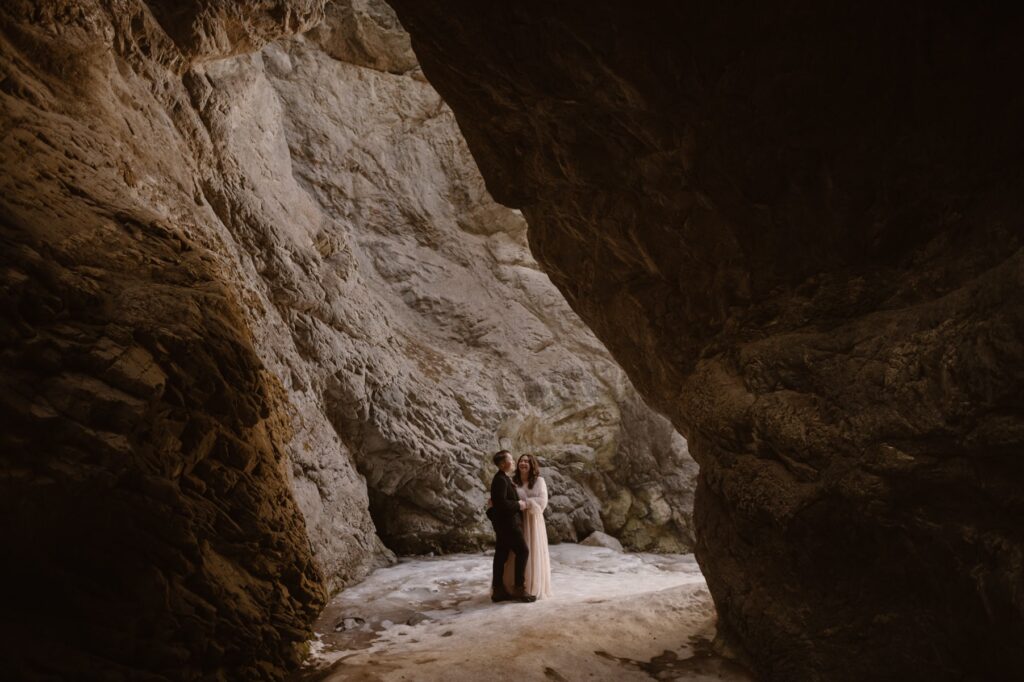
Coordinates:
(453, 341)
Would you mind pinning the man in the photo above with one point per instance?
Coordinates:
(506, 516)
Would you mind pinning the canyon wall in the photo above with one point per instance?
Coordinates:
(453, 342)
(259, 313)
(798, 229)
(149, 521)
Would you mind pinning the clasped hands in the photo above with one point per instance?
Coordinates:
(523, 504)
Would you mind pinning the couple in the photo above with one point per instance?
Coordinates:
(516, 510)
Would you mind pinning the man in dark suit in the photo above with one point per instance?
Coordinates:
(506, 515)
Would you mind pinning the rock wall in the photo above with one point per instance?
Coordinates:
(397, 301)
(445, 340)
(149, 524)
(258, 309)
(798, 229)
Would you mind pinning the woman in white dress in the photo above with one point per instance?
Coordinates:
(532, 488)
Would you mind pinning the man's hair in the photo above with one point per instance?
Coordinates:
(500, 455)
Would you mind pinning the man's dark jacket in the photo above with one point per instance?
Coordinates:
(505, 513)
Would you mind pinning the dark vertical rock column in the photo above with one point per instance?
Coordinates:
(798, 229)
(146, 518)
(148, 526)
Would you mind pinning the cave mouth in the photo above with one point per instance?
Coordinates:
(262, 324)
(262, 319)
(798, 228)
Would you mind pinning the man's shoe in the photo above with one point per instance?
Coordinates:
(520, 594)
(501, 596)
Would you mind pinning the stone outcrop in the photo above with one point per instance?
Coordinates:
(259, 308)
(365, 33)
(797, 228)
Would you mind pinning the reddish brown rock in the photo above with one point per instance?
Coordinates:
(798, 229)
(149, 524)
(148, 521)
(212, 29)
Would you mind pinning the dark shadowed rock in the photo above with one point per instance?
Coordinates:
(149, 526)
(797, 227)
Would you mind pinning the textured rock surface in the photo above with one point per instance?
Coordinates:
(365, 33)
(149, 525)
(210, 29)
(599, 539)
(250, 297)
(798, 229)
(419, 323)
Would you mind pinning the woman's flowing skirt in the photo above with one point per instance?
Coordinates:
(538, 565)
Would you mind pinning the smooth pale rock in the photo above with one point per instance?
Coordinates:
(798, 229)
(599, 539)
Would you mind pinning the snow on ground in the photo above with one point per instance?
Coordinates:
(614, 616)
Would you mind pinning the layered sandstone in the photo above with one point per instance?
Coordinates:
(798, 229)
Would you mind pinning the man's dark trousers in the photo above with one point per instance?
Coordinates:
(509, 539)
(507, 520)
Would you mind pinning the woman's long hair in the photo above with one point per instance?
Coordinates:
(534, 474)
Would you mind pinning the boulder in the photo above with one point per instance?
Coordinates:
(599, 539)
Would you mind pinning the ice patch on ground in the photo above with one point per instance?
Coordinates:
(614, 615)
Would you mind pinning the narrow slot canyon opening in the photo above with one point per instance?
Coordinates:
(266, 326)
(267, 311)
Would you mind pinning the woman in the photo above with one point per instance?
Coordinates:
(532, 488)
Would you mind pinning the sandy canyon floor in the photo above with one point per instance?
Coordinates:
(614, 616)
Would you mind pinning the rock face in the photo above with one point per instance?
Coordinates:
(259, 308)
(148, 517)
(445, 340)
(798, 229)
